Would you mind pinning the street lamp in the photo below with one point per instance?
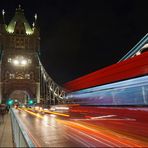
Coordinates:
(20, 61)
(16, 62)
(23, 62)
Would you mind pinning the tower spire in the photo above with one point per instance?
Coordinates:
(3, 14)
(19, 6)
(35, 19)
(35, 16)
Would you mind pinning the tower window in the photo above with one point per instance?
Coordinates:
(11, 76)
(9, 60)
(19, 76)
(27, 76)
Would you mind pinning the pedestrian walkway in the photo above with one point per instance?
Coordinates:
(6, 132)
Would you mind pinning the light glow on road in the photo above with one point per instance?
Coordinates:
(56, 113)
(52, 115)
(46, 119)
(32, 113)
(110, 136)
(53, 108)
(96, 134)
(50, 112)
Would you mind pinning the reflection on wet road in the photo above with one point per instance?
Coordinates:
(53, 130)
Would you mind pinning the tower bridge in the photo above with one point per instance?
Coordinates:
(106, 108)
(22, 74)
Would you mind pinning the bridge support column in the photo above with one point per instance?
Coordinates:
(38, 92)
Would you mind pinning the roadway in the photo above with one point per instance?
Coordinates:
(84, 129)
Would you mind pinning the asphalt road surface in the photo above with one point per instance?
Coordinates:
(79, 129)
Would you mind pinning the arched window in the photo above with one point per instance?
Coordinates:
(11, 76)
(27, 76)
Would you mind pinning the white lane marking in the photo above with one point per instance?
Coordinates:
(106, 117)
(100, 117)
(129, 119)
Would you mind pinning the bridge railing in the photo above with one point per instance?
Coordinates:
(20, 136)
(50, 90)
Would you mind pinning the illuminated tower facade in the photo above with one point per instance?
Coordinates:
(19, 46)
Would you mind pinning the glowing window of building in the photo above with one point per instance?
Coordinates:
(27, 76)
(19, 76)
(9, 60)
(20, 61)
(11, 76)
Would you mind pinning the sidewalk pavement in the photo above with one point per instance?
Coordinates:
(6, 132)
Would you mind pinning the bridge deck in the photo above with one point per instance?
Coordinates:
(6, 132)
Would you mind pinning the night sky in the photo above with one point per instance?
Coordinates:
(79, 37)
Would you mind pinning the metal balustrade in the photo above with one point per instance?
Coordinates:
(51, 92)
(20, 136)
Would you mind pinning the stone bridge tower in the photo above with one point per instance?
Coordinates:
(19, 45)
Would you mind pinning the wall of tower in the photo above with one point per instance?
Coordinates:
(19, 63)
